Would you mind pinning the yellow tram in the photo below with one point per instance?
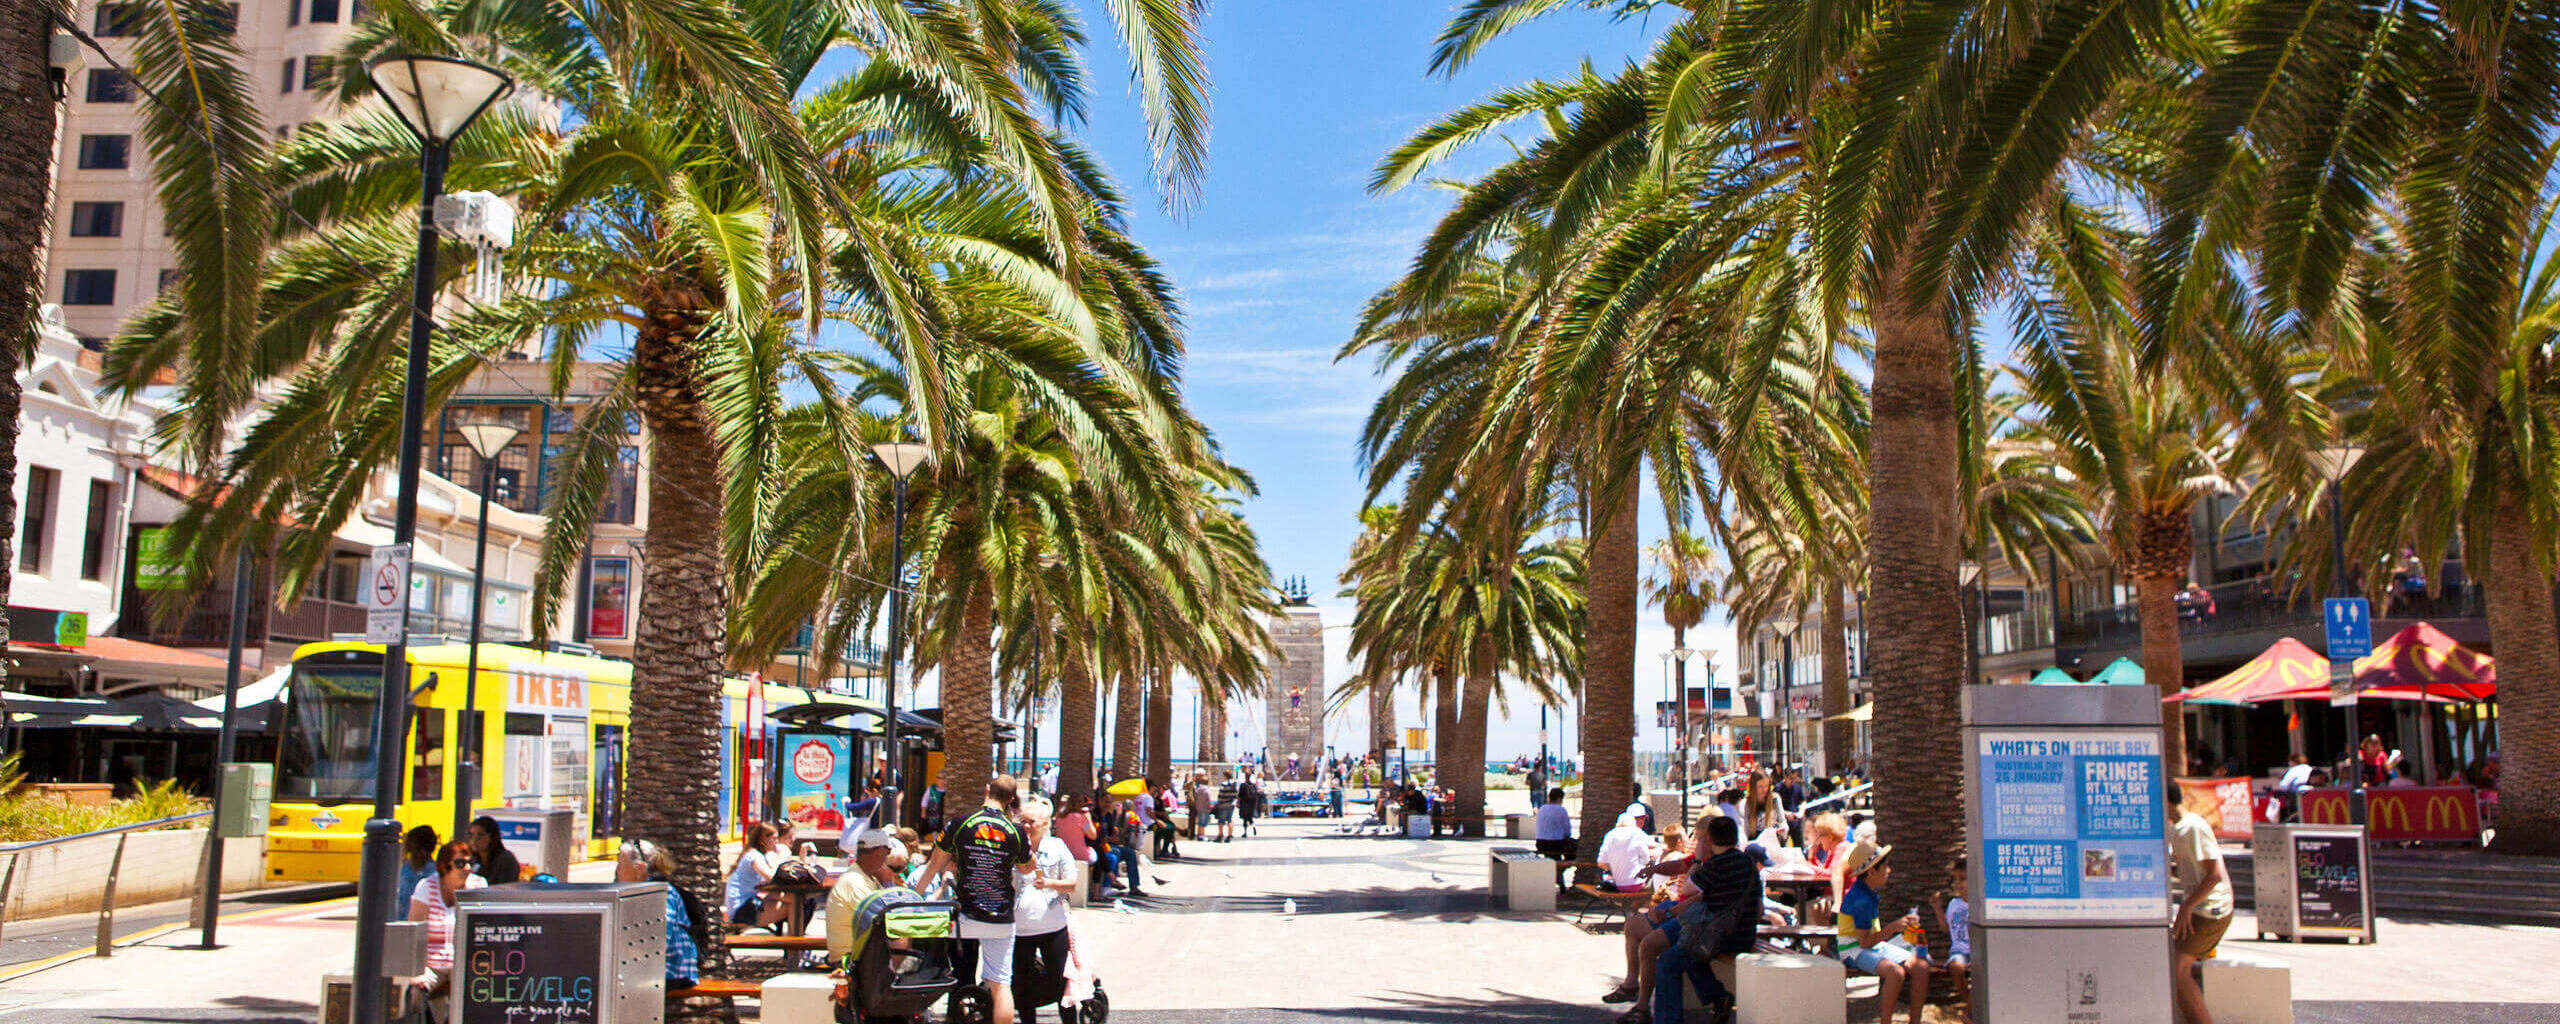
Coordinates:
(550, 729)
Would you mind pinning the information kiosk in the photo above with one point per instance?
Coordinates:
(2068, 839)
(2312, 881)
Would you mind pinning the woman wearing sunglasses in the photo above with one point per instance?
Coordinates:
(432, 902)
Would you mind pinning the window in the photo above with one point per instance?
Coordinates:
(120, 19)
(288, 74)
(97, 220)
(608, 598)
(316, 68)
(93, 547)
(324, 12)
(622, 492)
(108, 85)
(292, 13)
(34, 530)
(105, 152)
(88, 287)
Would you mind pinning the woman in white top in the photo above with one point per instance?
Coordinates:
(755, 866)
(1040, 917)
(432, 902)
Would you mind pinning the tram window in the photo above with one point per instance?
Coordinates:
(470, 749)
(426, 754)
(608, 785)
(326, 752)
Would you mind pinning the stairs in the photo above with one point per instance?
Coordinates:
(2462, 886)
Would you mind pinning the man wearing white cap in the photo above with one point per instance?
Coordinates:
(870, 873)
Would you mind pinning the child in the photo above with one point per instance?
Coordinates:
(1862, 934)
(1956, 916)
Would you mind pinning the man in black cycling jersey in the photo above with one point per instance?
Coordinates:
(983, 852)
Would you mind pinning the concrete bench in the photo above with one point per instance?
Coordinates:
(1521, 879)
(1519, 826)
(1789, 988)
(2247, 991)
(1083, 892)
(802, 997)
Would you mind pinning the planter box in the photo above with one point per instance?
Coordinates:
(69, 878)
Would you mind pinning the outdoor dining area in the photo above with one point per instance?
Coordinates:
(2429, 700)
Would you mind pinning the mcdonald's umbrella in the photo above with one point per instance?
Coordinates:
(1862, 713)
(2120, 672)
(2053, 677)
(1127, 787)
(2284, 667)
(2420, 657)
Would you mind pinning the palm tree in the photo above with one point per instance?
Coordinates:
(2424, 141)
(660, 216)
(1683, 583)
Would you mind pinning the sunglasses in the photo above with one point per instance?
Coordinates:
(464, 864)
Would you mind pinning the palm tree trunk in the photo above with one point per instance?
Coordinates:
(1128, 708)
(1076, 708)
(1478, 706)
(1211, 747)
(1609, 665)
(1917, 648)
(672, 792)
(1382, 722)
(1159, 730)
(1837, 737)
(2164, 663)
(2520, 629)
(27, 146)
(1444, 724)
(969, 705)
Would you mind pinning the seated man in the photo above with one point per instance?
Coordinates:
(1862, 943)
(870, 873)
(1724, 877)
(1627, 858)
(1555, 832)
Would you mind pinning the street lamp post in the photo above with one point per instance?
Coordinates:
(902, 458)
(488, 438)
(436, 98)
(1785, 626)
(2333, 461)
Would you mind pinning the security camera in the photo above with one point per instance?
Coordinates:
(62, 60)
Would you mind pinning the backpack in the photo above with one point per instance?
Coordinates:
(697, 919)
(798, 872)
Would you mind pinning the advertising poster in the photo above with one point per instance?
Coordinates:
(816, 776)
(2330, 886)
(2073, 828)
(2222, 803)
(531, 968)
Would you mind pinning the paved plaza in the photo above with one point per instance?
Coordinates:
(1385, 929)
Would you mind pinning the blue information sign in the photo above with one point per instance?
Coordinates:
(2073, 826)
(2350, 627)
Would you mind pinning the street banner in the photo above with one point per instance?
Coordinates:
(2404, 813)
(2073, 826)
(2222, 803)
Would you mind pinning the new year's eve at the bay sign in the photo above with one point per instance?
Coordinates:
(2072, 826)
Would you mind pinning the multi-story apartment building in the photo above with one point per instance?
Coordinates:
(109, 250)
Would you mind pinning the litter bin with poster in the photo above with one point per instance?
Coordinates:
(561, 954)
(2312, 881)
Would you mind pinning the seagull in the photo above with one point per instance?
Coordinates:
(1435, 876)
(1226, 874)
(1123, 907)
(1159, 879)
(1288, 908)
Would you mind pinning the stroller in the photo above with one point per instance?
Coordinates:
(887, 986)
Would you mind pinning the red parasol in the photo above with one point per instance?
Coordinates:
(2421, 658)
(2284, 667)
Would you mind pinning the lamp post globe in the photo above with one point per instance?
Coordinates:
(437, 97)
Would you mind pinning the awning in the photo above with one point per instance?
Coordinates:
(2120, 672)
(363, 534)
(1862, 713)
(147, 711)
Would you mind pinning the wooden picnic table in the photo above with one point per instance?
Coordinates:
(797, 923)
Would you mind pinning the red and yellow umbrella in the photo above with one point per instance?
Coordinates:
(2421, 658)
(2284, 667)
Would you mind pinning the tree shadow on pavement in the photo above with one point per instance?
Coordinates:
(1400, 1008)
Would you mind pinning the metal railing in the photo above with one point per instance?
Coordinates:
(2270, 602)
(115, 864)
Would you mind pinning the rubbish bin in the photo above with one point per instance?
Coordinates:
(569, 953)
(540, 839)
(1417, 826)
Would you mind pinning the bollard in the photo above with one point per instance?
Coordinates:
(107, 903)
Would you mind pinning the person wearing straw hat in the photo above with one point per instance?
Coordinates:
(1863, 938)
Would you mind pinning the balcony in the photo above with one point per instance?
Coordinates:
(2244, 616)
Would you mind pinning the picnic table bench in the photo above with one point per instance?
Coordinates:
(1511, 879)
(1593, 895)
(786, 943)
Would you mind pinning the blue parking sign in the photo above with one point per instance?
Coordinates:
(2349, 621)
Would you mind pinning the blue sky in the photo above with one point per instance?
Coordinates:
(1287, 243)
